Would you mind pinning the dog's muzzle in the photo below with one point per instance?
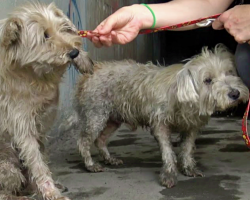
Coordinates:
(234, 94)
(74, 53)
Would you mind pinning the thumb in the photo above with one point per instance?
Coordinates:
(108, 25)
(218, 25)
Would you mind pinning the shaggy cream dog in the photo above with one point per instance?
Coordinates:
(179, 98)
(37, 43)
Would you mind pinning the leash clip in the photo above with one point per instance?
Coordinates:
(205, 23)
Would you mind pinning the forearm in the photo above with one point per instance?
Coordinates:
(178, 11)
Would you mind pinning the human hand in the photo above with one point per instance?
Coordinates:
(237, 22)
(121, 27)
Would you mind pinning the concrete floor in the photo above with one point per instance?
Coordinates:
(221, 155)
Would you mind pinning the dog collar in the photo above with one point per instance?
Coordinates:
(202, 22)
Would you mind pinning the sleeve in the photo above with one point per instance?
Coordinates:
(238, 2)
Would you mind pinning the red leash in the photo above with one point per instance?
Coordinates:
(206, 20)
(202, 22)
(244, 126)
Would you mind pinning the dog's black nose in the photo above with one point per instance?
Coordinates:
(74, 53)
(234, 94)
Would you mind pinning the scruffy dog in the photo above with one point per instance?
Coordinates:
(179, 98)
(37, 43)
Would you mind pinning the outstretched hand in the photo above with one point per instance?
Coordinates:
(121, 27)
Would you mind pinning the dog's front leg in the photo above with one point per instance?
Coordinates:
(186, 156)
(169, 171)
(25, 139)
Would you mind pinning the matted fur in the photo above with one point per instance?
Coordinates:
(37, 43)
(180, 98)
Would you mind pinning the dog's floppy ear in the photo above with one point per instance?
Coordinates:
(83, 63)
(186, 86)
(10, 31)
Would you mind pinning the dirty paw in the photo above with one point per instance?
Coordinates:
(192, 172)
(62, 198)
(113, 161)
(168, 179)
(61, 187)
(95, 168)
(10, 197)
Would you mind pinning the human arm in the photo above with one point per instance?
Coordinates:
(124, 25)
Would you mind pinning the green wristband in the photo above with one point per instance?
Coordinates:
(153, 26)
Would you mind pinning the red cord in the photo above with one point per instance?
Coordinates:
(83, 33)
(244, 126)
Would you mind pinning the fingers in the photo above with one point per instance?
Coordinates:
(104, 30)
(103, 40)
(107, 26)
(96, 41)
(228, 22)
(242, 38)
(106, 40)
(219, 23)
(99, 40)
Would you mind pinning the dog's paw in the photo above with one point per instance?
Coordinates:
(95, 168)
(19, 198)
(62, 198)
(61, 187)
(192, 172)
(49, 191)
(168, 179)
(113, 161)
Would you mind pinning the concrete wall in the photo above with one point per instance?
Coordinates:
(86, 14)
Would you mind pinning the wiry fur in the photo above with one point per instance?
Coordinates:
(165, 99)
(36, 45)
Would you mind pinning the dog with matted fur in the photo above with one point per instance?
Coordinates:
(37, 44)
(181, 97)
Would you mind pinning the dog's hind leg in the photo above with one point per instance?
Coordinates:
(101, 143)
(84, 144)
(89, 129)
(169, 171)
(186, 157)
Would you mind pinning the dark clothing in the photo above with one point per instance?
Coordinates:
(242, 57)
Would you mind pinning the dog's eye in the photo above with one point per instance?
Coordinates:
(208, 81)
(230, 72)
(46, 35)
(71, 31)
